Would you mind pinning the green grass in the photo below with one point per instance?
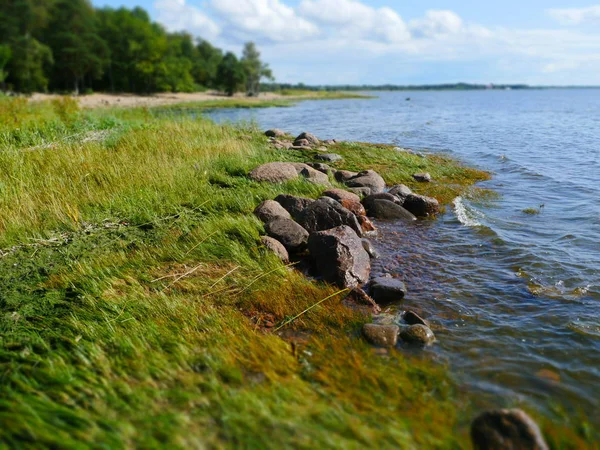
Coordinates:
(134, 297)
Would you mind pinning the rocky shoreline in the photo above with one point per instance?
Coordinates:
(330, 236)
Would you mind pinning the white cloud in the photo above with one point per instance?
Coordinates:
(576, 16)
(355, 20)
(268, 19)
(176, 15)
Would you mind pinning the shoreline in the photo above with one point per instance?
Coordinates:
(159, 299)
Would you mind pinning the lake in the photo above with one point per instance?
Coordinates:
(510, 284)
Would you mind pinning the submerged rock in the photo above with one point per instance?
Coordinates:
(421, 206)
(387, 289)
(276, 247)
(418, 334)
(341, 194)
(340, 257)
(292, 204)
(381, 335)
(506, 429)
(293, 237)
(269, 210)
(275, 172)
(422, 177)
(368, 178)
(326, 213)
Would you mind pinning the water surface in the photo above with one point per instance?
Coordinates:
(514, 297)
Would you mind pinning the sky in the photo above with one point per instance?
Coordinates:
(399, 41)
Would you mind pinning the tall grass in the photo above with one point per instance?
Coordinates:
(135, 301)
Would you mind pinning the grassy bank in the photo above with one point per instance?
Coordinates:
(136, 303)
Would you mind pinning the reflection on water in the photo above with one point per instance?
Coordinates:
(514, 297)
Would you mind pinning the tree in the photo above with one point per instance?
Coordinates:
(230, 74)
(5, 54)
(30, 62)
(78, 49)
(254, 68)
(205, 64)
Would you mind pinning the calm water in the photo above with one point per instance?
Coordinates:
(515, 298)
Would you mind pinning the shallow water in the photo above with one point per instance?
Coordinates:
(514, 297)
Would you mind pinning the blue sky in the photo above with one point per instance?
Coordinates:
(400, 42)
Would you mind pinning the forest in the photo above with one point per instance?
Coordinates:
(70, 46)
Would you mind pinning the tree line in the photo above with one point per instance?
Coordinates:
(68, 45)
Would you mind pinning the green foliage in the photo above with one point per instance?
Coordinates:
(231, 74)
(254, 68)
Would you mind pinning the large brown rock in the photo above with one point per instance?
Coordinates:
(326, 213)
(340, 257)
(275, 172)
(381, 335)
(293, 237)
(276, 247)
(510, 429)
(311, 138)
(355, 207)
(292, 204)
(341, 194)
(421, 206)
(269, 210)
(368, 178)
(418, 334)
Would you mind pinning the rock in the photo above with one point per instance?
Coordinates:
(384, 209)
(329, 157)
(366, 225)
(293, 205)
(276, 247)
(360, 191)
(422, 177)
(368, 178)
(301, 143)
(309, 137)
(417, 334)
(326, 213)
(368, 246)
(340, 257)
(329, 141)
(274, 132)
(344, 175)
(421, 206)
(360, 300)
(354, 207)
(269, 210)
(506, 429)
(381, 335)
(369, 200)
(400, 190)
(412, 318)
(314, 176)
(275, 172)
(341, 194)
(321, 167)
(293, 237)
(387, 289)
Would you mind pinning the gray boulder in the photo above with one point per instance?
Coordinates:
(506, 429)
(422, 177)
(418, 334)
(321, 167)
(381, 335)
(360, 191)
(400, 190)
(368, 178)
(276, 247)
(329, 157)
(314, 176)
(274, 132)
(302, 143)
(293, 237)
(344, 175)
(294, 205)
(369, 200)
(275, 172)
(340, 257)
(387, 289)
(326, 213)
(269, 210)
(384, 209)
(311, 138)
(421, 206)
(370, 249)
(341, 194)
